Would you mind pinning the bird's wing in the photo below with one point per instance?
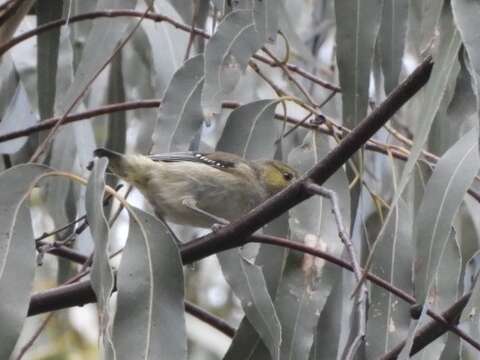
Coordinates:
(217, 159)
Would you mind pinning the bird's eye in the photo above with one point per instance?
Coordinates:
(287, 176)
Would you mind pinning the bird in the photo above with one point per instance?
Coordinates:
(200, 189)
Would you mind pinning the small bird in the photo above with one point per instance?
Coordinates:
(200, 189)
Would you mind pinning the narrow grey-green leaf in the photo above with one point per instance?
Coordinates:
(250, 130)
(226, 56)
(392, 40)
(464, 100)
(246, 343)
(150, 321)
(117, 121)
(326, 344)
(18, 115)
(430, 99)
(11, 16)
(101, 274)
(445, 291)
(101, 43)
(265, 13)
(445, 190)
(167, 47)
(466, 18)
(180, 116)
(388, 316)
(358, 23)
(307, 281)
(429, 17)
(47, 54)
(248, 283)
(184, 9)
(17, 252)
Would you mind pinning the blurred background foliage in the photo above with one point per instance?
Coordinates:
(325, 64)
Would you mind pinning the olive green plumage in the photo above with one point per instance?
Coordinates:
(221, 184)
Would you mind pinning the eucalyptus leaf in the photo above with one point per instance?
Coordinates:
(429, 20)
(431, 100)
(307, 282)
(101, 273)
(445, 190)
(250, 130)
(18, 115)
(226, 56)
(149, 321)
(392, 40)
(358, 24)
(100, 45)
(17, 251)
(389, 316)
(466, 18)
(247, 282)
(265, 13)
(47, 53)
(180, 116)
(271, 259)
(167, 47)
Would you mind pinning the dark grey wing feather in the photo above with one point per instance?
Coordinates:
(176, 156)
(219, 160)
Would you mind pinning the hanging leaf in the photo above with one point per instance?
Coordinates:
(150, 321)
(448, 184)
(180, 116)
(307, 282)
(388, 315)
(357, 28)
(17, 252)
(248, 283)
(18, 115)
(226, 56)
(265, 13)
(101, 274)
(250, 131)
(392, 40)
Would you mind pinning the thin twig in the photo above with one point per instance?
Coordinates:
(285, 69)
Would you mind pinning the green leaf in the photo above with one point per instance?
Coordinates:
(226, 55)
(389, 317)
(307, 282)
(265, 14)
(101, 274)
(150, 321)
(358, 23)
(17, 115)
(47, 54)
(17, 252)
(430, 102)
(247, 282)
(392, 40)
(101, 43)
(250, 130)
(271, 259)
(445, 190)
(466, 18)
(180, 116)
